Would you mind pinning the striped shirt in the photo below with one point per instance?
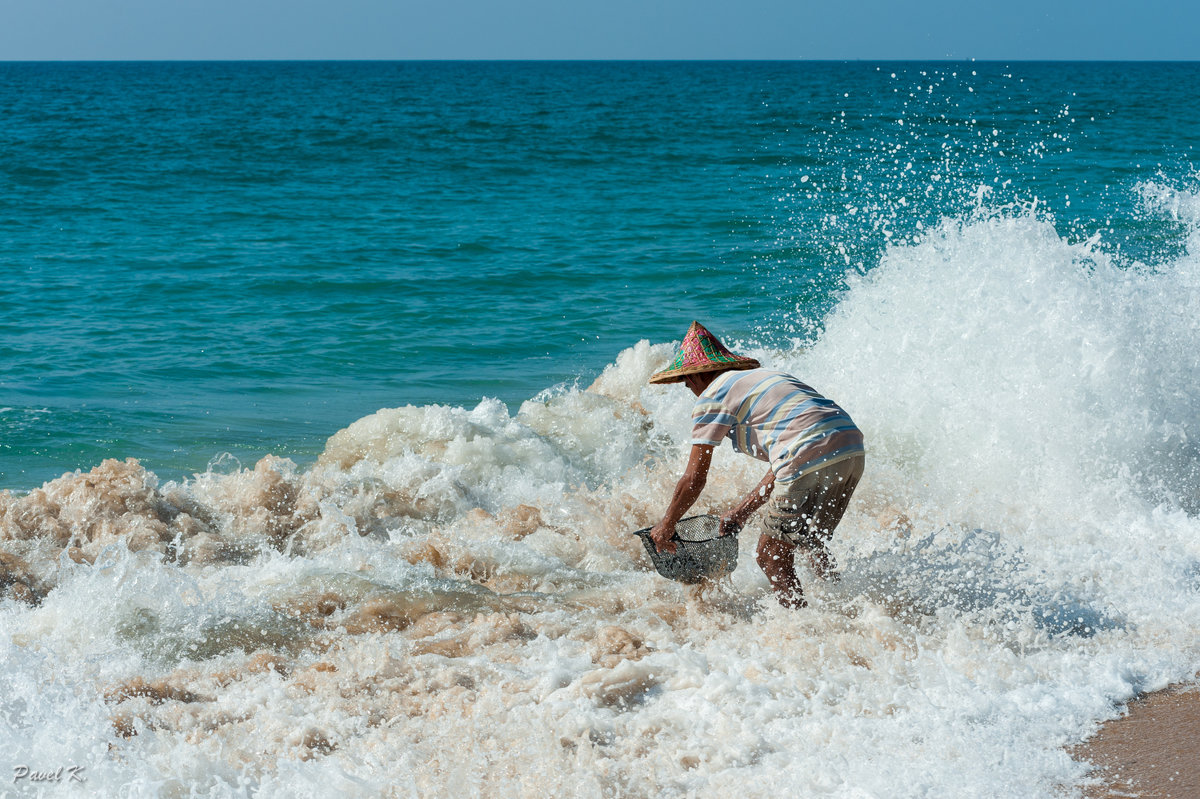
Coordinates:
(775, 418)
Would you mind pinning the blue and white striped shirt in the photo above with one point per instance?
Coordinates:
(775, 418)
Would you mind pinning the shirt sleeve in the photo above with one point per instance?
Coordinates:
(711, 422)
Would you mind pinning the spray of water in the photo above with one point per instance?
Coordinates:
(449, 600)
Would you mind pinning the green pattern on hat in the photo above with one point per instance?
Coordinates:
(701, 351)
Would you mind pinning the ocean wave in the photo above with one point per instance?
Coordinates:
(449, 600)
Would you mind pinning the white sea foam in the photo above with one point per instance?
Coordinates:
(449, 602)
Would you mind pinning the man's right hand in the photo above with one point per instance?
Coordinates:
(661, 535)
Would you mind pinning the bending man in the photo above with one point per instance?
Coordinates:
(815, 453)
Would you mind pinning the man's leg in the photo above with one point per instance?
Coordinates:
(822, 562)
(777, 560)
(824, 509)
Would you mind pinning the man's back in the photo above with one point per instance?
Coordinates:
(775, 417)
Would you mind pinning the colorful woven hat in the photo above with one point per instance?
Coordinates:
(701, 351)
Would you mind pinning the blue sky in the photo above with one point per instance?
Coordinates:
(637, 29)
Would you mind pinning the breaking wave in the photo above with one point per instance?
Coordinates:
(449, 600)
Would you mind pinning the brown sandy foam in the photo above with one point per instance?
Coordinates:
(1153, 751)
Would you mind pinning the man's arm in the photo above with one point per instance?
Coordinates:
(687, 491)
(737, 518)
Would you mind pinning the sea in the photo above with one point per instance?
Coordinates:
(325, 423)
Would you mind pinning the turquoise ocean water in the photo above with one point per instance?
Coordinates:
(201, 258)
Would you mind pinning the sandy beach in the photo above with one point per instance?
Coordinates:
(1153, 751)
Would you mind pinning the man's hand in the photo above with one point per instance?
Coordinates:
(661, 535)
(686, 491)
(732, 521)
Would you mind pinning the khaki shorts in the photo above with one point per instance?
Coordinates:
(806, 510)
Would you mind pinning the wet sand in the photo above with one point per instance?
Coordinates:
(1153, 751)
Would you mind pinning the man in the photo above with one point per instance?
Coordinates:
(815, 453)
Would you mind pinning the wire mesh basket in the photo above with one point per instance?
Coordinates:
(700, 551)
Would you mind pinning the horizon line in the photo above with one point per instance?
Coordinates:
(892, 60)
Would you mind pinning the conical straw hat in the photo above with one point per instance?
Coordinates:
(701, 351)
